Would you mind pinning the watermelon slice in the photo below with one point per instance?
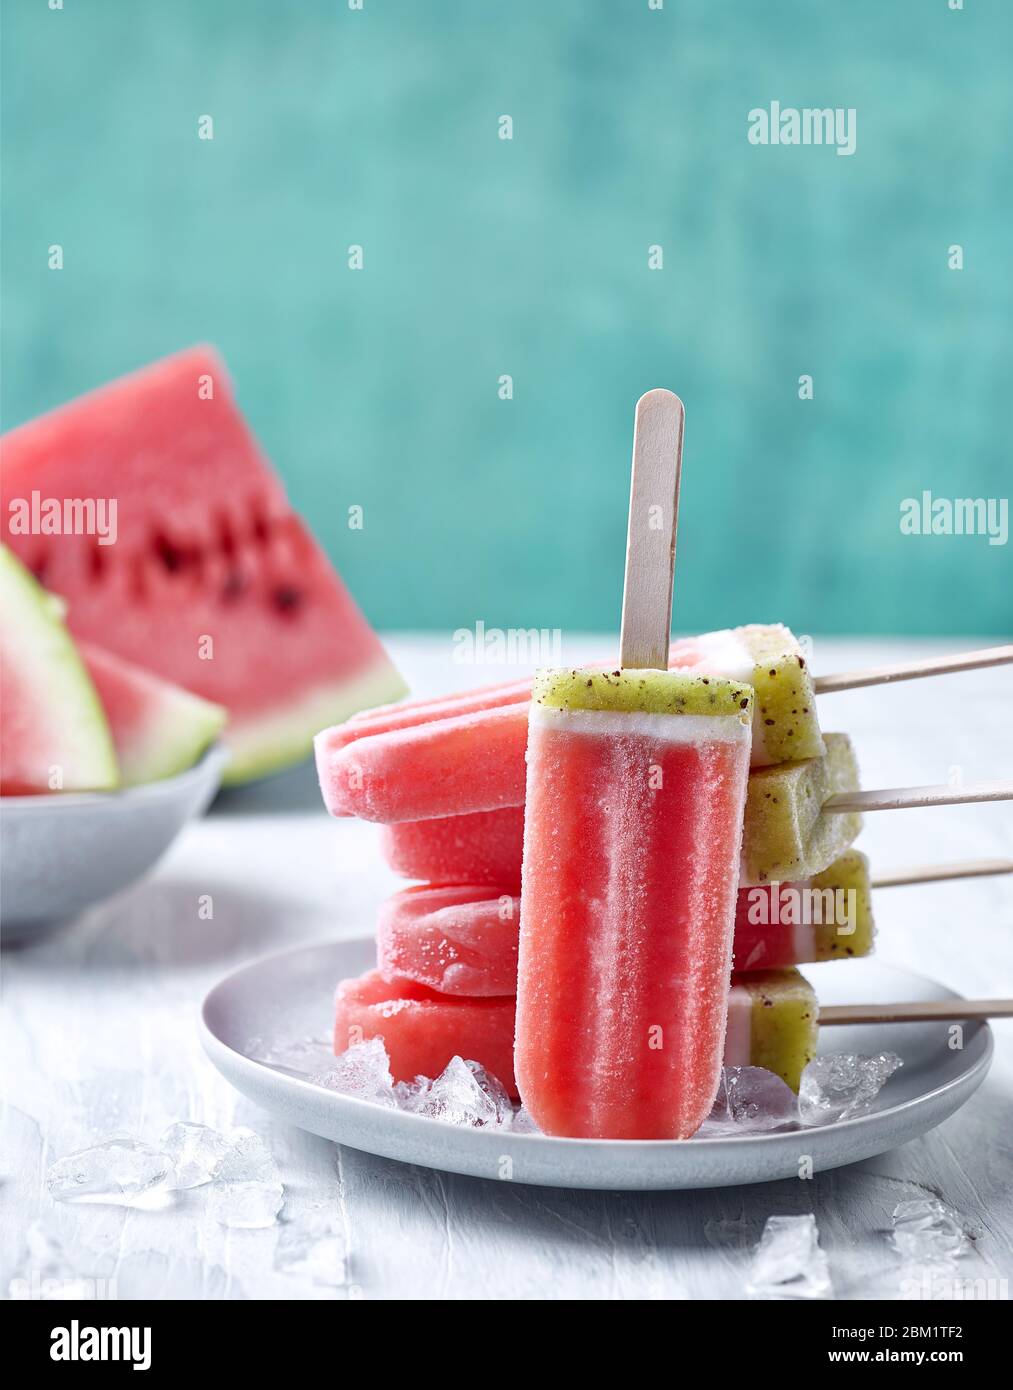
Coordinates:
(159, 729)
(203, 575)
(53, 733)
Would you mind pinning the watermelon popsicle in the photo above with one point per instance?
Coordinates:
(772, 1022)
(423, 1030)
(377, 764)
(786, 834)
(473, 761)
(462, 939)
(431, 758)
(633, 813)
(799, 818)
(485, 847)
(825, 917)
(456, 940)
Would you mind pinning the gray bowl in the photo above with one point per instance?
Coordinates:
(62, 854)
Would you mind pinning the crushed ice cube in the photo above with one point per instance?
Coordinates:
(407, 1093)
(246, 1205)
(523, 1123)
(759, 1100)
(363, 1071)
(926, 1229)
(246, 1189)
(495, 1090)
(750, 1100)
(121, 1170)
(465, 1094)
(313, 1245)
(842, 1085)
(246, 1159)
(788, 1262)
(195, 1150)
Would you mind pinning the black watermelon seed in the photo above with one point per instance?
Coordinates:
(285, 598)
(234, 585)
(170, 555)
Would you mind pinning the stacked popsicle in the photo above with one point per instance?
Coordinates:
(675, 817)
(447, 779)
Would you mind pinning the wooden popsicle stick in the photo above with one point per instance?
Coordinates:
(914, 670)
(939, 873)
(930, 1011)
(906, 798)
(650, 538)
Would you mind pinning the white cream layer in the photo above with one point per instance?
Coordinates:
(667, 728)
(725, 653)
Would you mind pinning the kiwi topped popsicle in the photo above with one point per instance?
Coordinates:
(636, 787)
(786, 833)
(461, 938)
(464, 753)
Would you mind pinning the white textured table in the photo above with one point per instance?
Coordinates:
(99, 1036)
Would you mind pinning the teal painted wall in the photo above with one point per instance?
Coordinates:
(529, 257)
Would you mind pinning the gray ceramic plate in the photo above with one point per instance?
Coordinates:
(63, 854)
(287, 997)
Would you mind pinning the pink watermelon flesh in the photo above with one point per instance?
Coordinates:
(423, 1030)
(53, 733)
(159, 729)
(213, 582)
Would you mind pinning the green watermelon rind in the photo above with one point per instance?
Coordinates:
(196, 724)
(88, 762)
(260, 747)
(179, 726)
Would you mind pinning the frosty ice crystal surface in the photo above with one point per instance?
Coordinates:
(246, 1205)
(119, 1170)
(495, 1090)
(926, 1229)
(195, 1150)
(465, 1094)
(523, 1122)
(842, 1085)
(362, 1071)
(408, 1093)
(750, 1100)
(788, 1262)
(246, 1190)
